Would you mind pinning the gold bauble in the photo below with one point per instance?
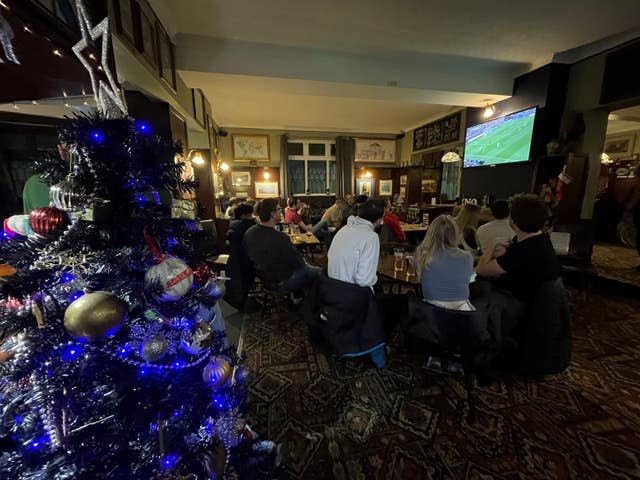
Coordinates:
(95, 316)
(216, 373)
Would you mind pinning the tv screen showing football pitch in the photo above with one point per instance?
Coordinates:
(503, 140)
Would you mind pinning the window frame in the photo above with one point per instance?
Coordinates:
(327, 158)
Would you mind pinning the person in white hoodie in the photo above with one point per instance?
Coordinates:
(353, 255)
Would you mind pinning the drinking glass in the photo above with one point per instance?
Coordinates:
(410, 265)
(398, 264)
(295, 229)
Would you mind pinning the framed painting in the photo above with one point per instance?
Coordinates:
(250, 147)
(620, 146)
(241, 178)
(125, 22)
(429, 186)
(364, 186)
(267, 190)
(167, 58)
(198, 106)
(372, 150)
(403, 179)
(148, 44)
(403, 191)
(385, 187)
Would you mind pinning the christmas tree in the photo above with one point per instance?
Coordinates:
(113, 358)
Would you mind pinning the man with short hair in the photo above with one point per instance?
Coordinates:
(272, 252)
(498, 231)
(293, 214)
(353, 255)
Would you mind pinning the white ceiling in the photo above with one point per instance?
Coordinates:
(373, 65)
(624, 120)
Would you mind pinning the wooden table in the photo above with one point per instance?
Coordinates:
(388, 274)
(413, 227)
(304, 239)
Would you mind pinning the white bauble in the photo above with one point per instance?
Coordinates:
(174, 275)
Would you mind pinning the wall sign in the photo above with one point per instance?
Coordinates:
(445, 130)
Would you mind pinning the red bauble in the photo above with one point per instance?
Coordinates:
(201, 274)
(47, 220)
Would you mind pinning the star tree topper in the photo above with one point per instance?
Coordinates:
(108, 97)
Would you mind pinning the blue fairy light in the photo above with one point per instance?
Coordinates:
(156, 197)
(143, 371)
(178, 363)
(143, 127)
(170, 461)
(97, 136)
(66, 278)
(71, 352)
(7, 235)
(171, 242)
(140, 199)
(18, 419)
(177, 413)
(36, 444)
(218, 402)
(74, 296)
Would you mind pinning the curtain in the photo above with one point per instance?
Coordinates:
(345, 156)
(450, 180)
(284, 158)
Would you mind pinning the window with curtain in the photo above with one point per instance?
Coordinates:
(311, 167)
(450, 187)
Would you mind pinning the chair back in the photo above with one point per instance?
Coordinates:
(545, 341)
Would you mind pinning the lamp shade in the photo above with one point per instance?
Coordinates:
(450, 157)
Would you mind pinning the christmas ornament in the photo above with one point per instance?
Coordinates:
(19, 224)
(154, 348)
(171, 274)
(95, 315)
(67, 196)
(196, 341)
(6, 35)
(215, 287)
(6, 270)
(108, 97)
(217, 372)
(47, 220)
(201, 274)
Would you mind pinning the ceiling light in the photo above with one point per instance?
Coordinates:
(57, 52)
(16, 107)
(489, 110)
(224, 166)
(450, 157)
(26, 29)
(34, 102)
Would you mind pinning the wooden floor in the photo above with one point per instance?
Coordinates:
(616, 262)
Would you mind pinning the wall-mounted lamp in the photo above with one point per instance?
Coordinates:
(197, 158)
(368, 174)
(450, 157)
(489, 111)
(266, 175)
(224, 166)
(605, 159)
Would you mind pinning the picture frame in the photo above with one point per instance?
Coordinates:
(429, 185)
(239, 179)
(166, 56)
(364, 186)
(198, 106)
(375, 150)
(403, 191)
(620, 145)
(267, 190)
(125, 19)
(385, 188)
(211, 131)
(148, 43)
(403, 179)
(250, 147)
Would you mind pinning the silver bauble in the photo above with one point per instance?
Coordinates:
(66, 195)
(215, 288)
(154, 348)
(196, 341)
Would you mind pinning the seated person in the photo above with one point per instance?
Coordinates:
(497, 231)
(272, 252)
(239, 265)
(293, 214)
(520, 268)
(392, 221)
(228, 213)
(467, 220)
(444, 269)
(355, 249)
(347, 209)
(332, 216)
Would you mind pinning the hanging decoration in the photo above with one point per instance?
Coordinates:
(217, 372)
(18, 224)
(65, 195)
(47, 220)
(196, 341)
(108, 97)
(6, 36)
(173, 276)
(95, 315)
(154, 348)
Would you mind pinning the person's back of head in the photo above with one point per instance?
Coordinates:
(361, 199)
(469, 216)
(528, 213)
(265, 207)
(500, 209)
(443, 233)
(340, 202)
(371, 210)
(233, 201)
(292, 202)
(242, 211)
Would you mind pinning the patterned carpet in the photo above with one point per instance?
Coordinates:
(347, 420)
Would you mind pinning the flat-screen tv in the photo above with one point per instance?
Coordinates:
(502, 140)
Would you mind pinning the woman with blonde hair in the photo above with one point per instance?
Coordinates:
(445, 270)
(467, 220)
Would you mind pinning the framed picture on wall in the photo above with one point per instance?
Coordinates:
(385, 187)
(125, 22)
(250, 147)
(241, 178)
(364, 186)
(148, 44)
(429, 186)
(198, 106)
(373, 150)
(403, 179)
(267, 190)
(167, 58)
(211, 130)
(403, 192)
(620, 146)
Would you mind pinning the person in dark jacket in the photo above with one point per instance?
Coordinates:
(239, 265)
